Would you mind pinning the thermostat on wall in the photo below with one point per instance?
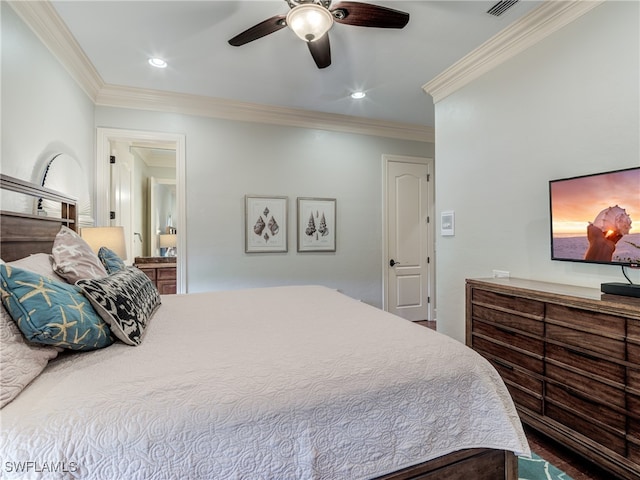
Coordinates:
(447, 224)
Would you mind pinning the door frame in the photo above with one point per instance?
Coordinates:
(386, 159)
(103, 181)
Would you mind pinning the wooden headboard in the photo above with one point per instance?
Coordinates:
(22, 234)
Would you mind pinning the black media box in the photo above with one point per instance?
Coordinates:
(626, 289)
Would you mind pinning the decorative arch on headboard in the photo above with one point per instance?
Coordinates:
(64, 173)
(22, 234)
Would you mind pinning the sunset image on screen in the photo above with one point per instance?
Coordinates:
(597, 218)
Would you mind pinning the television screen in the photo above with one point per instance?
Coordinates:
(596, 218)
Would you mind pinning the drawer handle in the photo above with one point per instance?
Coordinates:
(505, 330)
(502, 364)
(577, 394)
(584, 355)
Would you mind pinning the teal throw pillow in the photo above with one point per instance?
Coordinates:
(110, 259)
(51, 312)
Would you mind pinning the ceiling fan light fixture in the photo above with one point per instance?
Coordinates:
(157, 62)
(309, 21)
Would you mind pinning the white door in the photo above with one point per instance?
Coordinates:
(121, 195)
(408, 268)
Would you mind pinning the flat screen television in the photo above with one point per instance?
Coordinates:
(596, 218)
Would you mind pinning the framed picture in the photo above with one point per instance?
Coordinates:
(316, 224)
(265, 221)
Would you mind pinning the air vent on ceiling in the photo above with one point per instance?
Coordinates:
(501, 7)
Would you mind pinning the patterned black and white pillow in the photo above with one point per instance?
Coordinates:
(126, 300)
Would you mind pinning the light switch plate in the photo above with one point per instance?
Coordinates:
(447, 223)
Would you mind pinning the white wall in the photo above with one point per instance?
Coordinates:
(43, 109)
(44, 112)
(226, 160)
(567, 106)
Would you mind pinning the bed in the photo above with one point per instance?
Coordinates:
(296, 382)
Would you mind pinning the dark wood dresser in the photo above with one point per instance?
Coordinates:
(161, 271)
(570, 356)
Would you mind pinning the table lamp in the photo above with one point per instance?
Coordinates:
(169, 242)
(110, 237)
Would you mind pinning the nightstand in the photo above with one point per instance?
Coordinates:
(161, 271)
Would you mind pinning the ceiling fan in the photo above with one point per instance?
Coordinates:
(311, 20)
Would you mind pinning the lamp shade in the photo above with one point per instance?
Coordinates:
(309, 21)
(110, 237)
(167, 240)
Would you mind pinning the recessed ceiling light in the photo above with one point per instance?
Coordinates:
(358, 95)
(157, 62)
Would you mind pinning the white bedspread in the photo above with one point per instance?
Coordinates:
(272, 383)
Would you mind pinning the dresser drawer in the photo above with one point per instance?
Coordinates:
(524, 399)
(525, 389)
(607, 439)
(510, 303)
(633, 353)
(600, 323)
(634, 450)
(516, 376)
(491, 349)
(633, 378)
(587, 363)
(166, 273)
(524, 324)
(633, 330)
(605, 394)
(633, 407)
(609, 347)
(633, 431)
(509, 337)
(161, 271)
(150, 272)
(596, 411)
(166, 287)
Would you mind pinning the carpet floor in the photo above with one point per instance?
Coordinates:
(536, 468)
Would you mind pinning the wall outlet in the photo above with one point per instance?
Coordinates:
(500, 274)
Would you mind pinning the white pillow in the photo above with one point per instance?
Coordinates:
(20, 360)
(40, 263)
(73, 258)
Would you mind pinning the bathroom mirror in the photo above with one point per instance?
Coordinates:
(162, 213)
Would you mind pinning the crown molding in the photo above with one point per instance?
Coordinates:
(162, 101)
(541, 22)
(47, 25)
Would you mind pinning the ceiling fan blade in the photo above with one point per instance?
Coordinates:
(367, 15)
(321, 51)
(266, 27)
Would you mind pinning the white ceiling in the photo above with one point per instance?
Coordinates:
(390, 65)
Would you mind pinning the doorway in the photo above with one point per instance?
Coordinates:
(106, 196)
(408, 263)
